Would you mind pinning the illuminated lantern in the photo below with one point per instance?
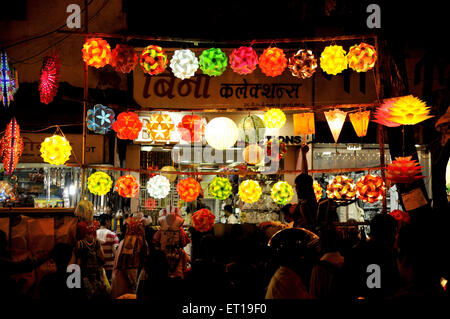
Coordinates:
(282, 193)
(362, 57)
(96, 52)
(318, 190)
(382, 113)
(184, 64)
(159, 127)
(188, 189)
(243, 60)
(370, 188)
(124, 58)
(14, 79)
(170, 177)
(251, 129)
(272, 62)
(303, 64)
(360, 122)
(220, 188)
(249, 191)
(221, 133)
(333, 59)
(341, 188)
(191, 128)
(127, 126)
(276, 149)
(11, 147)
(274, 118)
(127, 186)
(153, 60)
(158, 187)
(304, 124)
(213, 62)
(401, 217)
(150, 204)
(48, 81)
(99, 183)
(335, 119)
(203, 220)
(56, 150)
(100, 119)
(404, 170)
(6, 80)
(253, 154)
(409, 110)
(6, 192)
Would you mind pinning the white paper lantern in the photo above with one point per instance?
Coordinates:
(221, 133)
(158, 187)
(184, 64)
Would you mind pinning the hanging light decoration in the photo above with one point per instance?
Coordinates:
(6, 80)
(158, 187)
(127, 186)
(362, 57)
(11, 147)
(333, 59)
(251, 129)
(220, 188)
(253, 154)
(153, 60)
(409, 110)
(6, 192)
(213, 62)
(159, 127)
(127, 126)
(303, 64)
(360, 122)
(282, 193)
(203, 220)
(48, 81)
(170, 177)
(318, 190)
(99, 183)
(191, 128)
(56, 150)
(124, 58)
(304, 124)
(401, 217)
(14, 79)
(274, 118)
(335, 119)
(184, 64)
(150, 204)
(249, 191)
(404, 170)
(243, 60)
(96, 52)
(188, 189)
(100, 119)
(382, 113)
(341, 188)
(370, 188)
(276, 149)
(221, 133)
(272, 61)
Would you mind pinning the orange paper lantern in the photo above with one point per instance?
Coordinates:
(404, 170)
(335, 119)
(360, 122)
(191, 128)
(253, 154)
(96, 52)
(341, 188)
(127, 126)
(127, 186)
(188, 189)
(370, 188)
(203, 220)
(304, 124)
(272, 61)
(159, 127)
(362, 57)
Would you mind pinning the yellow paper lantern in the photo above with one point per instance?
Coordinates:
(333, 59)
(56, 150)
(99, 183)
(253, 154)
(274, 118)
(170, 177)
(221, 133)
(360, 122)
(335, 119)
(304, 124)
(318, 190)
(409, 110)
(250, 191)
(341, 188)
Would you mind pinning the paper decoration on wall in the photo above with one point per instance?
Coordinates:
(409, 110)
(184, 64)
(253, 154)
(124, 58)
(48, 81)
(159, 127)
(251, 129)
(99, 183)
(100, 119)
(276, 149)
(213, 62)
(220, 188)
(153, 60)
(370, 188)
(243, 60)
(6, 192)
(303, 64)
(272, 61)
(304, 124)
(382, 113)
(127, 126)
(6, 80)
(333, 59)
(274, 118)
(158, 187)
(404, 170)
(55, 150)
(335, 119)
(362, 57)
(170, 177)
(203, 220)
(360, 122)
(127, 186)
(188, 189)
(11, 147)
(341, 188)
(282, 193)
(221, 133)
(318, 190)
(192, 128)
(249, 191)
(96, 52)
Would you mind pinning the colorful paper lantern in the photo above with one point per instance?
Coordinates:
(243, 60)
(303, 64)
(7, 85)
(159, 127)
(203, 220)
(99, 183)
(274, 118)
(127, 126)
(191, 128)
(272, 61)
(370, 188)
(48, 81)
(213, 62)
(404, 170)
(249, 191)
(282, 193)
(184, 64)
(360, 122)
(382, 113)
(124, 58)
(318, 190)
(96, 52)
(304, 124)
(56, 150)
(221, 133)
(170, 177)
(153, 60)
(335, 119)
(220, 188)
(333, 59)
(341, 188)
(276, 149)
(158, 187)
(150, 203)
(251, 129)
(127, 186)
(188, 189)
(362, 57)
(14, 79)
(100, 119)
(409, 110)
(6, 192)
(253, 154)
(401, 217)
(11, 147)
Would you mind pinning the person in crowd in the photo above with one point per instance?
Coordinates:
(109, 241)
(229, 215)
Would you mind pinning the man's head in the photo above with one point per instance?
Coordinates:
(105, 220)
(383, 228)
(228, 210)
(304, 186)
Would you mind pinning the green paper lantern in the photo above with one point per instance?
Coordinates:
(282, 193)
(251, 129)
(99, 183)
(213, 62)
(220, 188)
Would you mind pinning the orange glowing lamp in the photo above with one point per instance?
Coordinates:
(404, 170)
(188, 189)
(304, 124)
(409, 110)
(341, 188)
(360, 122)
(127, 186)
(96, 52)
(370, 188)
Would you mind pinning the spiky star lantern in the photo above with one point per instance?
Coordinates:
(127, 186)
(96, 52)
(213, 62)
(100, 119)
(370, 188)
(409, 110)
(203, 220)
(274, 118)
(333, 59)
(124, 58)
(253, 154)
(318, 190)
(272, 61)
(127, 126)
(184, 64)
(382, 113)
(243, 60)
(249, 191)
(188, 189)
(341, 188)
(362, 57)
(153, 60)
(360, 122)
(159, 127)
(56, 150)
(282, 193)
(276, 149)
(158, 187)
(220, 188)
(251, 129)
(6, 81)
(48, 81)
(99, 183)
(404, 170)
(191, 128)
(303, 64)
(11, 147)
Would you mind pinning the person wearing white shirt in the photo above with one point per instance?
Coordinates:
(229, 215)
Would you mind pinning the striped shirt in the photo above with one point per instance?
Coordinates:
(108, 239)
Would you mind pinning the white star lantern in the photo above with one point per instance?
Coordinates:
(184, 64)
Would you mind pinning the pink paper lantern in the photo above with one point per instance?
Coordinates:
(243, 60)
(382, 113)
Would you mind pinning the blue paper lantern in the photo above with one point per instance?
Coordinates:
(7, 84)
(100, 119)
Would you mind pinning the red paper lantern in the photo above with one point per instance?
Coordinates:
(401, 216)
(191, 128)
(203, 220)
(370, 188)
(150, 203)
(11, 147)
(188, 189)
(127, 186)
(127, 126)
(243, 60)
(96, 52)
(404, 170)
(272, 61)
(124, 58)
(48, 82)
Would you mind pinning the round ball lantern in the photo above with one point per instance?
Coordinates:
(341, 188)
(250, 191)
(213, 62)
(99, 183)
(276, 149)
(409, 110)
(220, 188)
(272, 62)
(203, 220)
(274, 118)
(253, 154)
(188, 189)
(96, 52)
(333, 59)
(124, 58)
(282, 193)
(127, 186)
(153, 60)
(370, 188)
(100, 119)
(191, 128)
(243, 60)
(56, 150)
(251, 129)
(159, 127)
(221, 133)
(362, 57)
(303, 64)
(127, 126)
(158, 187)
(184, 64)
(170, 177)
(318, 191)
